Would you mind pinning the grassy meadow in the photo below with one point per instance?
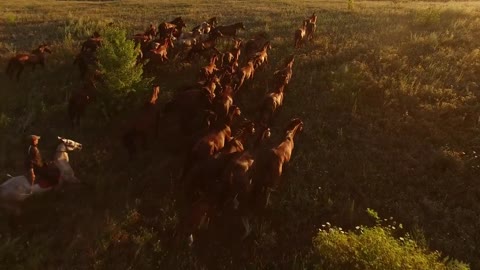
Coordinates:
(388, 93)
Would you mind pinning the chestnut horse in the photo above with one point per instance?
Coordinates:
(261, 57)
(207, 26)
(284, 75)
(19, 61)
(269, 165)
(271, 103)
(300, 33)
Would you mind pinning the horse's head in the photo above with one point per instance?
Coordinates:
(295, 125)
(179, 22)
(248, 127)
(234, 111)
(212, 21)
(42, 48)
(96, 34)
(241, 25)
(68, 145)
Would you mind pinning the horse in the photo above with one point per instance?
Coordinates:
(230, 58)
(311, 27)
(300, 34)
(85, 61)
(209, 70)
(92, 43)
(261, 57)
(79, 101)
(176, 24)
(19, 61)
(284, 75)
(206, 45)
(270, 163)
(254, 44)
(17, 189)
(207, 26)
(143, 124)
(271, 103)
(245, 73)
(229, 30)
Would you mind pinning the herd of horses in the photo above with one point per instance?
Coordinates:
(231, 163)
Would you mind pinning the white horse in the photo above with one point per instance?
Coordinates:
(17, 189)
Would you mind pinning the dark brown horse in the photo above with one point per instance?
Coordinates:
(79, 101)
(144, 124)
(86, 61)
(92, 43)
(229, 30)
(19, 61)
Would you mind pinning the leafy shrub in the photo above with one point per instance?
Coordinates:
(375, 248)
(117, 63)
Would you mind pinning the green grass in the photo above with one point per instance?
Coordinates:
(388, 92)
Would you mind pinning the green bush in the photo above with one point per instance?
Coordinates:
(117, 63)
(375, 248)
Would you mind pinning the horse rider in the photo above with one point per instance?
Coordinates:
(34, 162)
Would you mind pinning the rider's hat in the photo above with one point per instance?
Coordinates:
(34, 137)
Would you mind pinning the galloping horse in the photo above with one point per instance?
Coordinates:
(19, 61)
(270, 163)
(229, 30)
(17, 189)
(168, 27)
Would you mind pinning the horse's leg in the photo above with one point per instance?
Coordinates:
(246, 226)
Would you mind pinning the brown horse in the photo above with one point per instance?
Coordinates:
(269, 164)
(145, 122)
(284, 74)
(92, 43)
(230, 58)
(311, 27)
(79, 101)
(86, 60)
(245, 73)
(205, 46)
(300, 34)
(207, 26)
(158, 55)
(175, 26)
(151, 31)
(210, 69)
(223, 102)
(255, 44)
(270, 105)
(261, 57)
(229, 30)
(19, 61)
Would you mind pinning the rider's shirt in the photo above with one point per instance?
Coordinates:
(34, 158)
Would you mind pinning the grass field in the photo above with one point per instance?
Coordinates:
(388, 93)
